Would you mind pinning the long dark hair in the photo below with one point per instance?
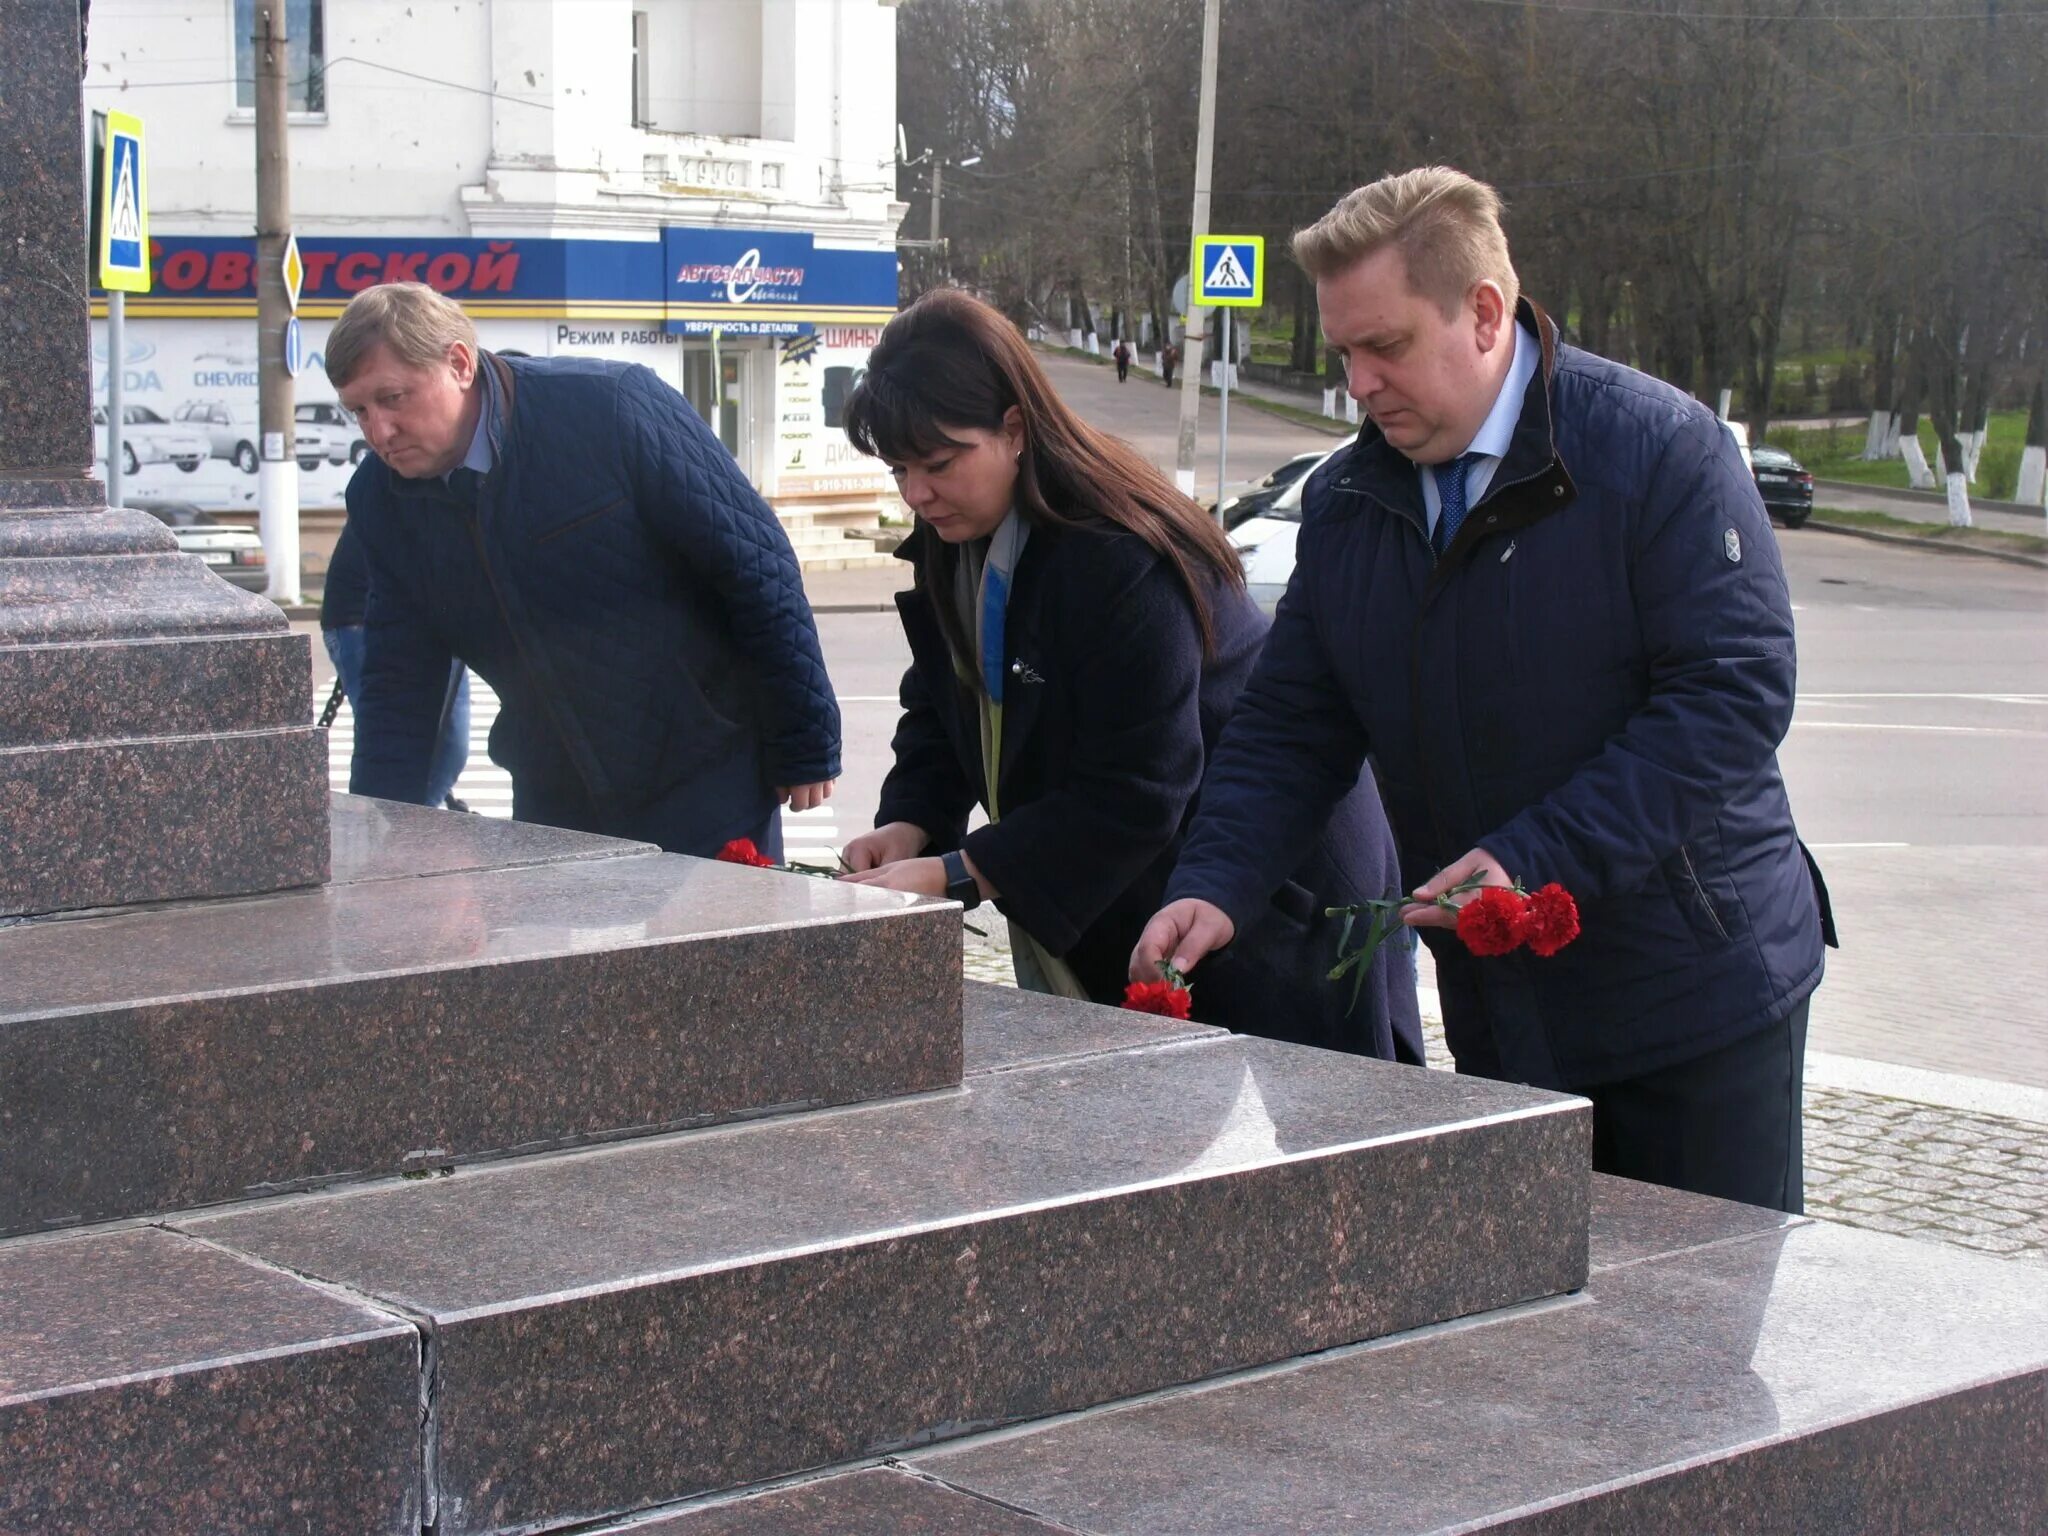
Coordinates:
(952, 361)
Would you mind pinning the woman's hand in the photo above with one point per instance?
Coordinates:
(920, 877)
(892, 844)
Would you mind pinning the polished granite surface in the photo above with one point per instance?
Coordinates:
(877, 1503)
(755, 1300)
(1790, 1379)
(368, 928)
(387, 840)
(1633, 1221)
(1008, 1027)
(151, 1383)
(392, 1025)
(1014, 1142)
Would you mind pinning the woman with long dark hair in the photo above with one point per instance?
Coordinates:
(1078, 632)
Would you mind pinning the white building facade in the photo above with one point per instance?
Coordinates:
(703, 186)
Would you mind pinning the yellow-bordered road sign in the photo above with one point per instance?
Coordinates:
(122, 207)
(1230, 270)
(294, 273)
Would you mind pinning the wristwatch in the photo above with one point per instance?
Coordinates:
(960, 885)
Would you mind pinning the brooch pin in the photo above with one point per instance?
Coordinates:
(1024, 672)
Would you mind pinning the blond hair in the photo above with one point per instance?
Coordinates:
(416, 323)
(1445, 224)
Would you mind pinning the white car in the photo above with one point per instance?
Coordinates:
(146, 438)
(232, 431)
(1265, 544)
(326, 431)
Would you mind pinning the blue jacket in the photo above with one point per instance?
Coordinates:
(1591, 684)
(1109, 713)
(633, 602)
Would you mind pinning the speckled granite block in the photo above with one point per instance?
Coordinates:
(395, 1024)
(663, 1318)
(1808, 1378)
(153, 1384)
(105, 823)
(152, 688)
(45, 359)
(1008, 1027)
(876, 1503)
(388, 840)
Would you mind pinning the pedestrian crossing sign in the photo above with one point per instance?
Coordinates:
(1230, 270)
(121, 208)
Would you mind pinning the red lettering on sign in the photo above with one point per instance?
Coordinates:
(317, 265)
(230, 272)
(496, 267)
(404, 268)
(358, 270)
(448, 271)
(184, 271)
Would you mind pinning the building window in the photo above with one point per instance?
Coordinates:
(642, 115)
(306, 29)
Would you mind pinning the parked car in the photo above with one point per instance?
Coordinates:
(330, 432)
(232, 431)
(1265, 543)
(1251, 503)
(146, 438)
(1785, 484)
(234, 553)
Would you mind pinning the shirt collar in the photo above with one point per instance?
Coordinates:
(480, 457)
(1497, 432)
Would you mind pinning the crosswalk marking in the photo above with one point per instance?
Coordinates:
(810, 837)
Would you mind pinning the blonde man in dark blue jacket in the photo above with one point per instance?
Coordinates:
(1541, 591)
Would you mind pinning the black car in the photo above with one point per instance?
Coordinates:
(1258, 501)
(1784, 484)
(233, 553)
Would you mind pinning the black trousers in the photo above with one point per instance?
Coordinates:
(1725, 1124)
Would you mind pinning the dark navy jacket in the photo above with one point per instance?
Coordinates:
(631, 599)
(1591, 685)
(1109, 712)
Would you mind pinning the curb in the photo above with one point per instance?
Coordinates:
(1906, 541)
(1928, 498)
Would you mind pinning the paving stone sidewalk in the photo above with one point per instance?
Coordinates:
(1923, 1171)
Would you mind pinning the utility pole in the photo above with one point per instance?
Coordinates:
(277, 482)
(1191, 354)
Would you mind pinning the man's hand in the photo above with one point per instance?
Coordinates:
(1477, 865)
(892, 844)
(804, 797)
(920, 877)
(1183, 932)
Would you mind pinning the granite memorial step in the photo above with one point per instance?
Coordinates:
(468, 989)
(1725, 1369)
(1085, 1219)
(154, 1385)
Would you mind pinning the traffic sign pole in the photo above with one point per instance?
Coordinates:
(117, 400)
(1223, 422)
(277, 482)
(1191, 354)
(120, 250)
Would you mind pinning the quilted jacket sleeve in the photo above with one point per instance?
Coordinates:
(695, 499)
(405, 682)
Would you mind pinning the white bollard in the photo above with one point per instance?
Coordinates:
(2033, 491)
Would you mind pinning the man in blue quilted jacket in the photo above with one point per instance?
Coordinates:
(1540, 589)
(574, 533)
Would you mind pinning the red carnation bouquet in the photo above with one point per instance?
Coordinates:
(1498, 920)
(1169, 997)
(742, 850)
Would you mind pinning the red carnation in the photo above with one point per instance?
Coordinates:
(741, 850)
(1550, 920)
(1491, 922)
(1161, 997)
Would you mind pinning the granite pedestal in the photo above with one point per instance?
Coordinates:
(156, 736)
(466, 990)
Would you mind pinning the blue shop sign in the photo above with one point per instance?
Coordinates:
(755, 282)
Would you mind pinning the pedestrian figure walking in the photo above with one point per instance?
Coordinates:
(1169, 359)
(1122, 354)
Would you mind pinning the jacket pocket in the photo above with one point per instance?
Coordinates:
(577, 518)
(1692, 896)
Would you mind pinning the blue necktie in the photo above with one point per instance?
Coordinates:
(1450, 495)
